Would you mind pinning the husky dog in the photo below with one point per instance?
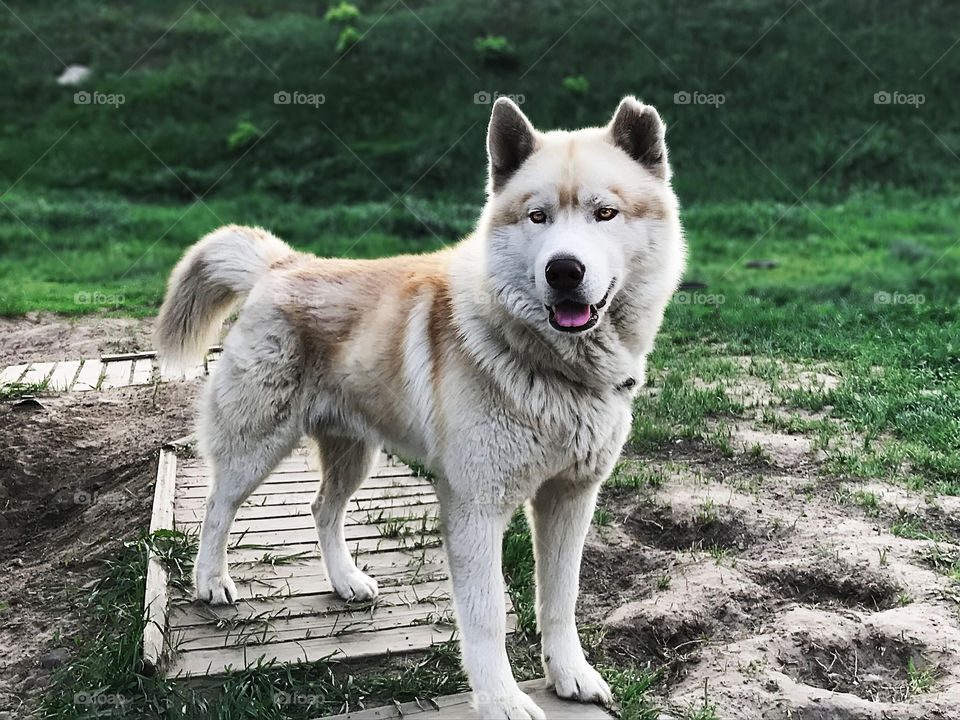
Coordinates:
(507, 363)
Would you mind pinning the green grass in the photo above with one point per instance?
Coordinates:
(921, 679)
(913, 527)
(17, 390)
(518, 569)
(80, 253)
(945, 561)
(632, 689)
(627, 475)
(899, 388)
(865, 500)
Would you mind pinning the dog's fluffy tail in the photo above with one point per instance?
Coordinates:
(206, 285)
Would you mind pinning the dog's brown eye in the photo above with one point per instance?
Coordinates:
(538, 217)
(605, 213)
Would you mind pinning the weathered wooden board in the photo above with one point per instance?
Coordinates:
(457, 707)
(156, 594)
(279, 487)
(142, 372)
(116, 374)
(107, 372)
(63, 375)
(287, 610)
(89, 377)
(37, 373)
(363, 500)
(12, 374)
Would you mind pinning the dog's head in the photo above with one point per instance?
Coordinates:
(573, 217)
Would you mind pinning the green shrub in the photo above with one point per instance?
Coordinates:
(495, 50)
(577, 85)
(349, 37)
(342, 14)
(243, 135)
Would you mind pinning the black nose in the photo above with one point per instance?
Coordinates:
(564, 273)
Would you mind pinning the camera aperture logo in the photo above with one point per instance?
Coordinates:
(295, 97)
(696, 97)
(95, 97)
(895, 97)
(485, 97)
(96, 297)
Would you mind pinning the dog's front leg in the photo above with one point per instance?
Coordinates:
(474, 534)
(561, 517)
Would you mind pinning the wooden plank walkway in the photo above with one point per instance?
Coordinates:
(105, 373)
(287, 610)
(457, 707)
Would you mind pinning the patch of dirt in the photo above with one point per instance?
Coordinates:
(76, 476)
(873, 668)
(768, 589)
(701, 528)
(43, 336)
(759, 386)
(782, 450)
(826, 581)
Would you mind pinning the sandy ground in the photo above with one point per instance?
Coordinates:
(41, 336)
(76, 478)
(744, 579)
(748, 582)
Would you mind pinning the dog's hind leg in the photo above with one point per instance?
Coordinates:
(346, 462)
(243, 438)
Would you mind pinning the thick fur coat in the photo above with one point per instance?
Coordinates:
(507, 363)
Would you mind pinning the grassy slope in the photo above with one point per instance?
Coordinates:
(114, 212)
(798, 98)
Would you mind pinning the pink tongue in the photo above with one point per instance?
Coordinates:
(570, 315)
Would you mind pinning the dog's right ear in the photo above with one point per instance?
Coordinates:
(511, 139)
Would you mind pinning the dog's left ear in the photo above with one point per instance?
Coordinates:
(511, 139)
(638, 130)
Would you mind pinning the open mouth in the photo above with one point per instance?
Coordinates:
(572, 317)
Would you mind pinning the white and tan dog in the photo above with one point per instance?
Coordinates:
(506, 363)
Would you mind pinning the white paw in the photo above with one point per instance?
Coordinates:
(510, 705)
(216, 588)
(354, 585)
(579, 681)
